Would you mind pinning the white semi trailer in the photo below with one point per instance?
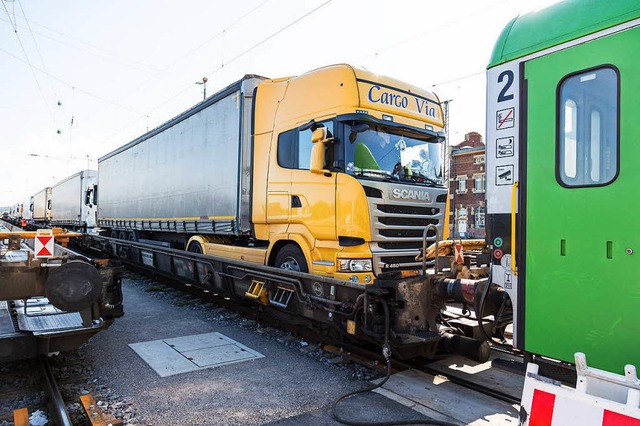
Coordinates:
(74, 201)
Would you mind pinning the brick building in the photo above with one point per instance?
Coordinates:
(467, 186)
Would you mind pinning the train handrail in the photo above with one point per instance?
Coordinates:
(514, 191)
(424, 248)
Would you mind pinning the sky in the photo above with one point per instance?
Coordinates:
(79, 79)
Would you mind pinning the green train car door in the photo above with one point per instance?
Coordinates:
(581, 177)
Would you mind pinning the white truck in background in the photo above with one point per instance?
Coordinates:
(74, 201)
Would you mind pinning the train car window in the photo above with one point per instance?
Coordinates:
(587, 128)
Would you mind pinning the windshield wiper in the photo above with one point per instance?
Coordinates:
(426, 178)
(381, 173)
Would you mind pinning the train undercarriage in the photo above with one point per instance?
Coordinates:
(55, 303)
(403, 312)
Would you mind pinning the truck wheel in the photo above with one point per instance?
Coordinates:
(195, 247)
(291, 258)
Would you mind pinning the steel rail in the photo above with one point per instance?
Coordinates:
(57, 403)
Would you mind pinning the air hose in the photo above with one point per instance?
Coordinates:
(480, 312)
(386, 352)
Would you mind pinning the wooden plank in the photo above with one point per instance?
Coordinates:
(95, 414)
(464, 405)
(21, 417)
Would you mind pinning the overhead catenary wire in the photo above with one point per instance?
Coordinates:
(87, 47)
(31, 66)
(235, 58)
(35, 43)
(431, 29)
(71, 86)
(195, 49)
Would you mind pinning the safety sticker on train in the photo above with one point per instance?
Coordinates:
(504, 147)
(505, 118)
(504, 175)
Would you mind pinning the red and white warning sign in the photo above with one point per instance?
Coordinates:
(458, 253)
(44, 242)
(600, 398)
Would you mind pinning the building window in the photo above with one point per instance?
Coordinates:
(480, 217)
(479, 183)
(462, 184)
(588, 128)
(478, 159)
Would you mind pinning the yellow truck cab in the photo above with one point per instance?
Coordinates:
(379, 185)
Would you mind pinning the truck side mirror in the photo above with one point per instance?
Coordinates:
(319, 134)
(319, 139)
(87, 197)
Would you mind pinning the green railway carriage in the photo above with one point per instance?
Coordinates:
(563, 145)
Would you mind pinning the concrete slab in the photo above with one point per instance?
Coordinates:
(163, 359)
(190, 353)
(221, 355)
(198, 341)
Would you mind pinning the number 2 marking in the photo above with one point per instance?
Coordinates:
(503, 93)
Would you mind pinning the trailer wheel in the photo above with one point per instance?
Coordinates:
(290, 257)
(195, 247)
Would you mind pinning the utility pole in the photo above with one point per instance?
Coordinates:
(204, 84)
(445, 153)
(446, 158)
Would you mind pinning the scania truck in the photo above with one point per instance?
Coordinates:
(336, 172)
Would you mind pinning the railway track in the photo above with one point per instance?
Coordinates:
(33, 325)
(50, 389)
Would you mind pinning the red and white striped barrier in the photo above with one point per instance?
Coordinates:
(600, 398)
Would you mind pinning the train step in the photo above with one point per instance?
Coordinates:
(258, 292)
(281, 297)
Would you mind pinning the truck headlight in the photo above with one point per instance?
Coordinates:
(355, 265)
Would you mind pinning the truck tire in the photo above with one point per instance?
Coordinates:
(195, 247)
(290, 257)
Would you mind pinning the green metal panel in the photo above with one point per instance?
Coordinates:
(583, 301)
(558, 24)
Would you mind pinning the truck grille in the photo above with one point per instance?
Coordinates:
(397, 229)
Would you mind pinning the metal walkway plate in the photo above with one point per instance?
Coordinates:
(6, 324)
(49, 322)
(42, 316)
(190, 353)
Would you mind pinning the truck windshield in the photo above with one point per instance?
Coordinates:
(385, 153)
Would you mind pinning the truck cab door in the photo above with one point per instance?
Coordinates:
(313, 195)
(301, 201)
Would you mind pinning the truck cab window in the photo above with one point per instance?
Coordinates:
(294, 148)
(378, 152)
